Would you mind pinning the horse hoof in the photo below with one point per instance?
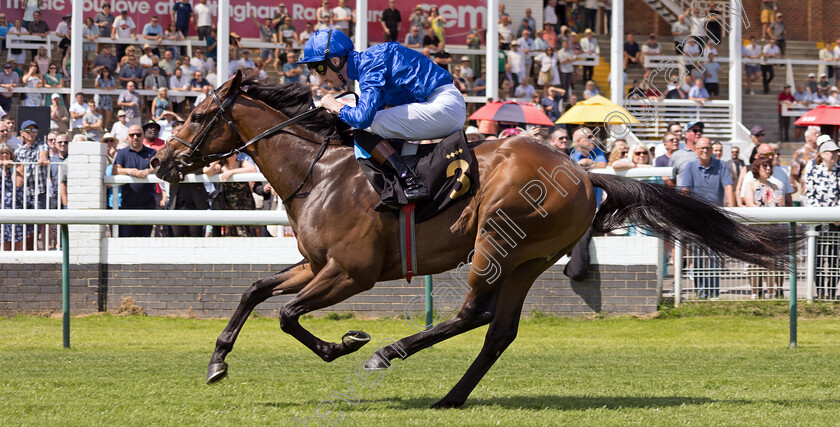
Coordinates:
(216, 372)
(376, 362)
(355, 340)
(446, 404)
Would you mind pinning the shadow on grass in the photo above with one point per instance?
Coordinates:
(558, 402)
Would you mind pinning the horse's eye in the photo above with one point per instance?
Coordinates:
(197, 118)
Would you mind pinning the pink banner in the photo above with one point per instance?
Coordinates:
(460, 15)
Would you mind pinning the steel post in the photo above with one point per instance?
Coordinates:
(430, 306)
(65, 284)
(792, 285)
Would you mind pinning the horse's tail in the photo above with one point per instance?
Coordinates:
(671, 214)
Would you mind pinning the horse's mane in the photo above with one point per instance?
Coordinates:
(292, 99)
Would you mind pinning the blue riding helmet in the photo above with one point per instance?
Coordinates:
(325, 44)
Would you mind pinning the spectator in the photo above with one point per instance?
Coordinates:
(343, 16)
(167, 64)
(292, 72)
(822, 188)
(11, 177)
(524, 91)
(679, 31)
(267, 35)
(306, 33)
(32, 79)
(777, 31)
(751, 51)
(768, 10)
(436, 24)
(466, 70)
(549, 36)
(160, 104)
(78, 110)
(134, 161)
(233, 195)
(42, 60)
(526, 45)
(693, 52)
(717, 150)
(153, 33)
(8, 81)
(671, 144)
(129, 101)
(38, 27)
(4, 29)
(819, 97)
(803, 157)
(459, 81)
(480, 85)
(619, 153)
(784, 121)
(778, 176)
(151, 134)
(756, 138)
(631, 51)
(589, 46)
(92, 123)
(245, 62)
(182, 15)
(548, 74)
(120, 128)
(698, 93)
(505, 34)
(823, 83)
(442, 57)
(105, 59)
(566, 59)
(105, 103)
(111, 142)
(18, 55)
(324, 15)
(801, 96)
(59, 116)
(198, 82)
(516, 59)
(279, 17)
(148, 59)
(131, 72)
(288, 33)
(735, 165)
(590, 90)
(179, 82)
(587, 154)
(560, 139)
(168, 124)
(681, 157)
(550, 13)
(413, 39)
(528, 24)
(123, 28)
(211, 44)
(651, 48)
(761, 192)
(770, 51)
(391, 22)
(29, 9)
(104, 21)
(89, 34)
(811, 84)
(173, 35)
(203, 19)
(711, 76)
(35, 173)
(155, 79)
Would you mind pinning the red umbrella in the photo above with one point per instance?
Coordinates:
(512, 111)
(822, 115)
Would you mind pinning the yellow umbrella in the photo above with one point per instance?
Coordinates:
(597, 110)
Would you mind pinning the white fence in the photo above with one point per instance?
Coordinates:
(655, 116)
(32, 188)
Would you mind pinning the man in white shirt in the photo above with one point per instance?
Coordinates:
(589, 46)
(342, 15)
(78, 111)
(771, 51)
(516, 59)
(751, 51)
(526, 45)
(652, 47)
(567, 68)
(123, 28)
(203, 19)
(120, 128)
(549, 14)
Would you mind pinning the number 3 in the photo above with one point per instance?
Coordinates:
(463, 166)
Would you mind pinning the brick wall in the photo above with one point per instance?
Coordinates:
(213, 290)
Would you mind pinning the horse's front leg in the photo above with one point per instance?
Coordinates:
(288, 281)
(330, 286)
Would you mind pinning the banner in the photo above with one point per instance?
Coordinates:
(460, 15)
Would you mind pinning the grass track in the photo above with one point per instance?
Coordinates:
(615, 371)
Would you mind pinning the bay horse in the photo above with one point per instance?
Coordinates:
(348, 247)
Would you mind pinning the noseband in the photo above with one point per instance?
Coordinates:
(189, 159)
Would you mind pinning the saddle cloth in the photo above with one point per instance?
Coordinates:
(448, 169)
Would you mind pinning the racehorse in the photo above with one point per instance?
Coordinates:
(348, 247)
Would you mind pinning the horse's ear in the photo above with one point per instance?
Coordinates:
(236, 82)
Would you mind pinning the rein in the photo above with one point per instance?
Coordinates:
(188, 160)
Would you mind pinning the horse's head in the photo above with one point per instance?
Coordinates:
(208, 135)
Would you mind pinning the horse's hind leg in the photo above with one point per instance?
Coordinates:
(288, 281)
(330, 286)
(502, 330)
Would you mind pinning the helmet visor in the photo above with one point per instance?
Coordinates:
(318, 67)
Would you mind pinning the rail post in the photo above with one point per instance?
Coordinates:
(65, 284)
(811, 262)
(678, 256)
(792, 285)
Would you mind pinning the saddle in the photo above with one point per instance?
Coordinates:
(448, 169)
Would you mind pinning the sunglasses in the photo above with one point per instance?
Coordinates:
(696, 130)
(624, 152)
(135, 134)
(673, 140)
(62, 142)
(642, 153)
(562, 138)
(29, 130)
(767, 166)
(760, 134)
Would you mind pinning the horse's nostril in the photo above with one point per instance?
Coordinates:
(154, 163)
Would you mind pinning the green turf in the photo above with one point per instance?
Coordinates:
(734, 370)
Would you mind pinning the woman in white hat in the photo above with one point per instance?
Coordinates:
(59, 116)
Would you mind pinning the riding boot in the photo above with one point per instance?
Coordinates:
(385, 155)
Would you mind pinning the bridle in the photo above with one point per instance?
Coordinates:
(189, 159)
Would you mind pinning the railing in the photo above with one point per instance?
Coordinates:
(655, 116)
(39, 191)
(797, 110)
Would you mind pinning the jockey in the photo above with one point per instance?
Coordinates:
(423, 103)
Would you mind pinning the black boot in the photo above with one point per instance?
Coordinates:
(413, 187)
